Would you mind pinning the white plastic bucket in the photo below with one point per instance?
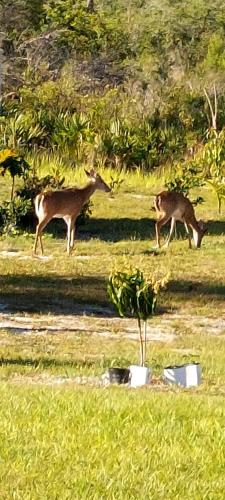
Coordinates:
(139, 375)
(188, 375)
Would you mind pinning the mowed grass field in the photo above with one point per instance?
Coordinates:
(66, 441)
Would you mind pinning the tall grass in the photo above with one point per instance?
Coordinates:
(46, 163)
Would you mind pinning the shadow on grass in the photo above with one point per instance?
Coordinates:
(86, 294)
(124, 228)
(186, 287)
(115, 230)
(59, 295)
(47, 363)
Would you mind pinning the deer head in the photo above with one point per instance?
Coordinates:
(97, 180)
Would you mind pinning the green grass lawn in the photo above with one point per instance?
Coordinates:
(66, 441)
(116, 444)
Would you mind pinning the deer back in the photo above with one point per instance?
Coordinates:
(172, 204)
(60, 203)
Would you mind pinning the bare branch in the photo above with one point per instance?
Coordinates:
(213, 112)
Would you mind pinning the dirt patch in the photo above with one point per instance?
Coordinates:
(89, 381)
(21, 256)
(160, 328)
(78, 324)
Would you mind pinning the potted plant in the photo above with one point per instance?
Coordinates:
(119, 375)
(133, 295)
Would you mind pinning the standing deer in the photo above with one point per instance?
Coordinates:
(175, 206)
(65, 204)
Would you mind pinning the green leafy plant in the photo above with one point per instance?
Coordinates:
(214, 163)
(20, 130)
(219, 188)
(133, 295)
(115, 182)
(189, 176)
(13, 164)
(11, 213)
(214, 155)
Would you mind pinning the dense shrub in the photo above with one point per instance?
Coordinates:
(123, 79)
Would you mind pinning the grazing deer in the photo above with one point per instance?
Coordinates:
(175, 206)
(65, 204)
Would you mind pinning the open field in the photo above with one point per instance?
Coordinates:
(60, 440)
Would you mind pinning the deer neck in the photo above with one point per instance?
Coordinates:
(88, 191)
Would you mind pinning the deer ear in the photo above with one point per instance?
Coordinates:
(92, 173)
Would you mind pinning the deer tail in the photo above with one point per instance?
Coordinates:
(38, 204)
(158, 202)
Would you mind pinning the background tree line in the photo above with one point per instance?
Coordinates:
(128, 79)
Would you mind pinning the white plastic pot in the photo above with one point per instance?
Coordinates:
(139, 375)
(188, 375)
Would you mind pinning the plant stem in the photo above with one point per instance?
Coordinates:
(12, 188)
(219, 204)
(145, 339)
(141, 343)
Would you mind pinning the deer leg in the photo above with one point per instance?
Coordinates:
(72, 234)
(158, 226)
(172, 227)
(187, 227)
(40, 226)
(36, 241)
(68, 222)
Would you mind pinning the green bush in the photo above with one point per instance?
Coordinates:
(12, 214)
(189, 176)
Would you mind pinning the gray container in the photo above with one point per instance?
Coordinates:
(188, 375)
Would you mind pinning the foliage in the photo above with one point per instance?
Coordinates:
(89, 34)
(214, 155)
(190, 176)
(219, 187)
(13, 164)
(20, 130)
(132, 294)
(122, 74)
(33, 185)
(116, 182)
(214, 163)
(215, 58)
(12, 213)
